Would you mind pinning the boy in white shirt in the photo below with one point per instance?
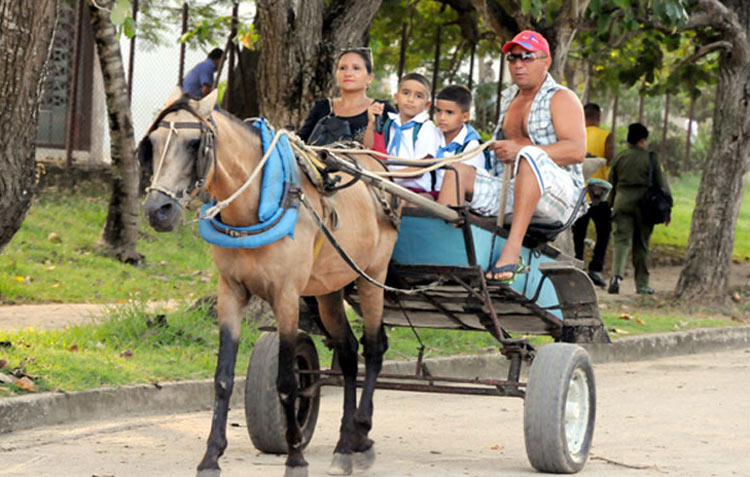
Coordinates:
(452, 113)
(409, 133)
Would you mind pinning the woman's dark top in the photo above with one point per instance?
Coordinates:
(322, 108)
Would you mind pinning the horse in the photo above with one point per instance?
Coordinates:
(196, 143)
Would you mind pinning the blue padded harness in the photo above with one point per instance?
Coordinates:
(279, 201)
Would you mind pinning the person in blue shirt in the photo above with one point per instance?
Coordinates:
(199, 81)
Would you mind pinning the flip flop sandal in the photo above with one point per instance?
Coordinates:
(514, 268)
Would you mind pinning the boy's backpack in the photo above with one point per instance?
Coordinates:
(387, 131)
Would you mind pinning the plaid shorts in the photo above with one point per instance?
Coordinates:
(559, 193)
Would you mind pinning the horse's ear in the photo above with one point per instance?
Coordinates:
(174, 95)
(145, 153)
(206, 105)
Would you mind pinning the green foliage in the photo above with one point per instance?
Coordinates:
(37, 266)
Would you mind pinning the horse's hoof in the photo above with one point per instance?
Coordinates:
(341, 464)
(208, 473)
(364, 460)
(297, 471)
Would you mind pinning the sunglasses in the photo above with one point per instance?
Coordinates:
(526, 57)
(356, 49)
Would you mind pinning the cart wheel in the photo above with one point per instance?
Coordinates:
(560, 409)
(265, 419)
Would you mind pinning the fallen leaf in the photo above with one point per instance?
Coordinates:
(736, 297)
(640, 321)
(25, 383)
(20, 279)
(625, 316)
(73, 348)
(128, 353)
(56, 285)
(54, 238)
(496, 447)
(50, 268)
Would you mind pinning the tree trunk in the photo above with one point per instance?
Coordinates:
(299, 45)
(27, 27)
(709, 251)
(120, 233)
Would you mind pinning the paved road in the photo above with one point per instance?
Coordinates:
(682, 416)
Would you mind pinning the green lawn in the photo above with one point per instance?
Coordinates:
(38, 267)
(675, 236)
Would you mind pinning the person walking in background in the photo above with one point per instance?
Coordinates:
(599, 143)
(629, 176)
(200, 80)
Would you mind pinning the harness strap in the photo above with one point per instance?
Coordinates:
(353, 265)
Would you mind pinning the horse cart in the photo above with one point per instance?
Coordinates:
(436, 280)
(268, 238)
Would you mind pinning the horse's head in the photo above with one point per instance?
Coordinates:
(178, 150)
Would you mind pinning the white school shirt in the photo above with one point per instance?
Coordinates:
(428, 141)
(476, 161)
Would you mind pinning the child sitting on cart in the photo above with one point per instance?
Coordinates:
(409, 134)
(452, 114)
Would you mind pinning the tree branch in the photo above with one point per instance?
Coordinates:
(704, 50)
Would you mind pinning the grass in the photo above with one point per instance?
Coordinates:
(674, 238)
(131, 346)
(54, 258)
(137, 346)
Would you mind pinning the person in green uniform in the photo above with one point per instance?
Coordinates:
(629, 178)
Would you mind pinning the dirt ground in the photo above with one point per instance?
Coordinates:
(60, 315)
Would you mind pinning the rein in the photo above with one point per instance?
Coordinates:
(349, 261)
(427, 165)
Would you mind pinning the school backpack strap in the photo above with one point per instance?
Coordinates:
(473, 135)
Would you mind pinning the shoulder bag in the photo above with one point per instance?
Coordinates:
(656, 203)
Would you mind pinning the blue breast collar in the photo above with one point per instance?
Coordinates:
(278, 209)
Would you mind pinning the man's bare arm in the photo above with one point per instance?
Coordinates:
(609, 148)
(570, 127)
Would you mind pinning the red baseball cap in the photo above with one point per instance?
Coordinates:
(528, 40)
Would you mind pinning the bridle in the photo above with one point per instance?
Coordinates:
(205, 157)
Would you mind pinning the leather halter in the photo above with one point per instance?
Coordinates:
(206, 150)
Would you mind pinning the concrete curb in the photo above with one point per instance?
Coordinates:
(48, 409)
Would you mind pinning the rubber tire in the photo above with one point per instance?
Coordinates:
(545, 404)
(265, 419)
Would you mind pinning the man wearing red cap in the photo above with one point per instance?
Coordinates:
(542, 137)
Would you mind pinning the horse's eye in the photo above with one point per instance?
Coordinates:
(193, 145)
